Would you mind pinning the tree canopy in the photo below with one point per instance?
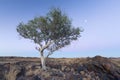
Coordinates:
(54, 29)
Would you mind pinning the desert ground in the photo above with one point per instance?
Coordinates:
(89, 68)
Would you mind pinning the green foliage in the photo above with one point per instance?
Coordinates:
(55, 27)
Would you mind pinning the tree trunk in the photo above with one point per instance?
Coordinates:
(43, 62)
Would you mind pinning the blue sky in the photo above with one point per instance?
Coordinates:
(99, 19)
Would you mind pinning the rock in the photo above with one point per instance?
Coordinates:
(104, 68)
(36, 77)
(70, 76)
(82, 72)
(89, 76)
(56, 73)
(63, 68)
(107, 66)
(84, 78)
(81, 68)
(2, 76)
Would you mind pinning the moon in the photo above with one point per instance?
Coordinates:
(85, 21)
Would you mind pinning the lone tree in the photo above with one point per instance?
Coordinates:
(50, 32)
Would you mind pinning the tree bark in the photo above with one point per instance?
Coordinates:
(43, 61)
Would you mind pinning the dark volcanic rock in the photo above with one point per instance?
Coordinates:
(103, 68)
(2, 77)
(97, 68)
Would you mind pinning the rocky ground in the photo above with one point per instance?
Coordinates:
(96, 68)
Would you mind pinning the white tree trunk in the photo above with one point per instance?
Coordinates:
(41, 49)
(43, 62)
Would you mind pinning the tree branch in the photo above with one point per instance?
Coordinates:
(37, 48)
(40, 46)
(50, 53)
(46, 45)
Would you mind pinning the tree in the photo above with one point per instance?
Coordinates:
(51, 32)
